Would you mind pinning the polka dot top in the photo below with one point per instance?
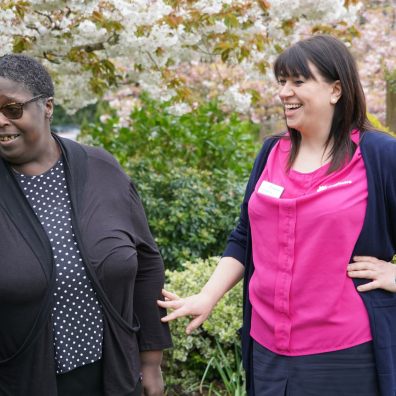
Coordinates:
(77, 316)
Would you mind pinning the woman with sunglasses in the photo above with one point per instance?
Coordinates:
(80, 271)
(314, 241)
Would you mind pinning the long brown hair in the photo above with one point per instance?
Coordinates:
(334, 62)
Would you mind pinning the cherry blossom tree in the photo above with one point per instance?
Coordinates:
(91, 46)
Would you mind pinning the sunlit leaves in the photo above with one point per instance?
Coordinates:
(22, 44)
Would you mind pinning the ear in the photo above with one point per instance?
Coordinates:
(336, 92)
(49, 108)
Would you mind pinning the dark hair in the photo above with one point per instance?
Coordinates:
(334, 62)
(27, 71)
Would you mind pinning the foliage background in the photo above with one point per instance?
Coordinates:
(191, 172)
(190, 169)
(186, 362)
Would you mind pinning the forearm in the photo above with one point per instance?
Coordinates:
(227, 274)
(152, 382)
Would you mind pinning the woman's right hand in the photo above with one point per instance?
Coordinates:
(199, 306)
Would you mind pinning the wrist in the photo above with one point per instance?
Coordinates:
(209, 296)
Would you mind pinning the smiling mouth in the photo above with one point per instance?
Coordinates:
(8, 138)
(292, 106)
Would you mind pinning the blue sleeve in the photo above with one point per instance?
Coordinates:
(238, 239)
(389, 169)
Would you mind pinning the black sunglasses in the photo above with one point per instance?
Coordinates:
(14, 111)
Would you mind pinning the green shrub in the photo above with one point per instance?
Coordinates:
(185, 364)
(190, 171)
(190, 211)
(207, 138)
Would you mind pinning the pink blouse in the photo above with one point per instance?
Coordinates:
(303, 237)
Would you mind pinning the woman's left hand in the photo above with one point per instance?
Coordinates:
(152, 382)
(381, 273)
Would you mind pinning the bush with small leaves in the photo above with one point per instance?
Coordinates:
(185, 364)
(190, 170)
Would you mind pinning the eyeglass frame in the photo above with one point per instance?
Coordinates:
(21, 104)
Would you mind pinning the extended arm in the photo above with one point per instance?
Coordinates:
(227, 273)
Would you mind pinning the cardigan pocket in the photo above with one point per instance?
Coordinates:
(384, 315)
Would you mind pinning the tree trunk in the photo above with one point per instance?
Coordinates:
(391, 105)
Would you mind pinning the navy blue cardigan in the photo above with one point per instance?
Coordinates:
(377, 238)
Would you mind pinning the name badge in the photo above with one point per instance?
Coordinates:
(270, 189)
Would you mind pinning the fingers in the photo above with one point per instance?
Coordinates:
(169, 296)
(362, 270)
(170, 304)
(369, 286)
(368, 259)
(361, 267)
(197, 306)
(194, 324)
(381, 273)
(177, 306)
(364, 274)
(365, 263)
(168, 318)
(172, 300)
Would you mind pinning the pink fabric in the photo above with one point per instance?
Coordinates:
(303, 302)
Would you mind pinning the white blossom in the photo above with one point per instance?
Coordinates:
(148, 41)
(179, 109)
(210, 6)
(233, 98)
(218, 27)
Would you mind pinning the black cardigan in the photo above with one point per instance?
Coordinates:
(377, 238)
(122, 262)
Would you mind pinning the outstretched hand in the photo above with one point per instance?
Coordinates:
(381, 273)
(227, 273)
(198, 306)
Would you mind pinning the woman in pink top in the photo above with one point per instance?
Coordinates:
(307, 330)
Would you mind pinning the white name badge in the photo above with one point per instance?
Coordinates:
(270, 189)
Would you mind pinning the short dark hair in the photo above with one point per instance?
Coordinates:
(27, 71)
(334, 62)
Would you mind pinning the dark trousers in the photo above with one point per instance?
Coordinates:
(85, 381)
(348, 372)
